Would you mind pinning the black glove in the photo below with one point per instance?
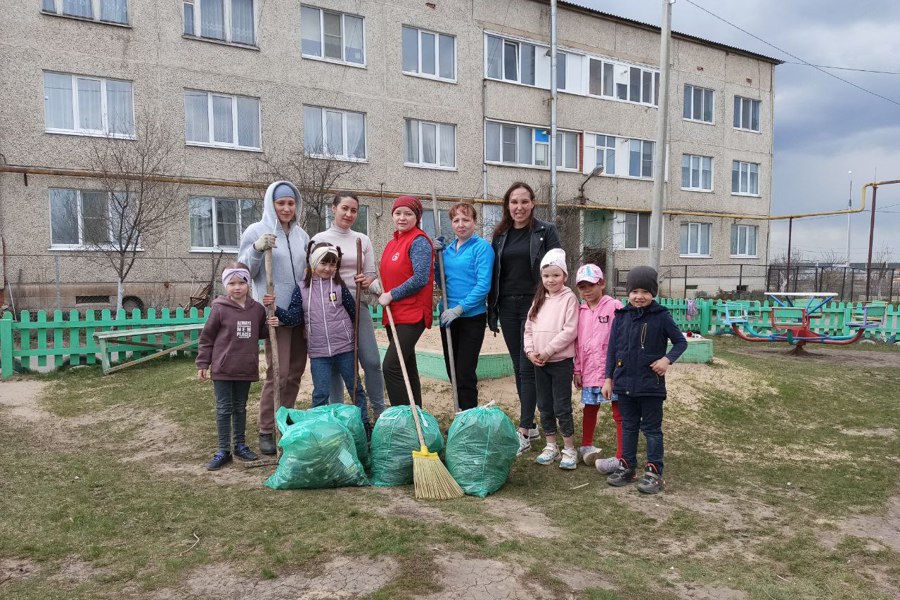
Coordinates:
(493, 319)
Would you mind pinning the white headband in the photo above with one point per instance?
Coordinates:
(242, 273)
(320, 253)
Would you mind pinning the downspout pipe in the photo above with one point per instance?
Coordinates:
(554, 149)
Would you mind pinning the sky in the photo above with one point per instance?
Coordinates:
(824, 128)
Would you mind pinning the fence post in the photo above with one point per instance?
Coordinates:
(6, 346)
(705, 315)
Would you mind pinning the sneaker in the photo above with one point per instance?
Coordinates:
(569, 459)
(652, 482)
(590, 454)
(607, 465)
(243, 452)
(524, 443)
(219, 460)
(623, 475)
(548, 456)
(267, 443)
(534, 434)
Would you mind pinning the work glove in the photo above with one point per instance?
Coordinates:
(385, 299)
(265, 241)
(450, 315)
(438, 243)
(375, 288)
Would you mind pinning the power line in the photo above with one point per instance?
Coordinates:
(876, 71)
(794, 56)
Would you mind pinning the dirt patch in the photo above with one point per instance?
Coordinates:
(465, 578)
(884, 432)
(521, 518)
(708, 592)
(884, 529)
(687, 383)
(19, 399)
(343, 578)
(73, 572)
(12, 569)
(817, 353)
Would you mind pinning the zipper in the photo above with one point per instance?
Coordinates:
(324, 317)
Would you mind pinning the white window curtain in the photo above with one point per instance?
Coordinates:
(311, 31)
(90, 105)
(58, 107)
(494, 57)
(201, 222)
(78, 8)
(332, 31)
(212, 19)
(196, 117)
(223, 124)
(248, 122)
(114, 11)
(119, 107)
(356, 135)
(242, 25)
(429, 143)
(353, 40)
(63, 216)
(448, 145)
(312, 130)
(411, 140)
(334, 135)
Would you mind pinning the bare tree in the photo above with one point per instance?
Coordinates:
(138, 199)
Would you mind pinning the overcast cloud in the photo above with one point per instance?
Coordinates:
(823, 127)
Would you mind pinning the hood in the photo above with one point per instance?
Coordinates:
(605, 299)
(269, 219)
(226, 302)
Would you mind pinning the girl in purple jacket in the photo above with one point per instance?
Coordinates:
(323, 302)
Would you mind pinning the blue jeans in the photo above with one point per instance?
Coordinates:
(321, 368)
(370, 361)
(231, 411)
(645, 414)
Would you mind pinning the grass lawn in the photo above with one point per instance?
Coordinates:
(782, 476)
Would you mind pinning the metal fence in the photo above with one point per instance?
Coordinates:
(848, 283)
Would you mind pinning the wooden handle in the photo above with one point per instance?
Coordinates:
(273, 338)
(440, 261)
(359, 271)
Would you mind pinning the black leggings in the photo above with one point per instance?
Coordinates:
(407, 336)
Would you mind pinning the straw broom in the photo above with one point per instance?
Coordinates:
(431, 478)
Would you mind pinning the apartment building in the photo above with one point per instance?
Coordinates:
(450, 97)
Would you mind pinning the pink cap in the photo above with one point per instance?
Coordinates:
(590, 273)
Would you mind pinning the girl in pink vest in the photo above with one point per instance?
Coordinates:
(595, 319)
(407, 281)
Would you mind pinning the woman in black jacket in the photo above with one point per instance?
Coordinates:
(520, 241)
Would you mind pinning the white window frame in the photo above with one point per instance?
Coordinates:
(697, 164)
(343, 60)
(742, 104)
(211, 143)
(652, 158)
(57, 8)
(535, 144)
(437, 54)
(736, 250)
(707, 96)
(621, 148)
(104, 113)
(197, 33)
(79, 210)
(696, 230)
(638, 218)
(215, 228)
(744, 169)
(344, 145)
(437, 140)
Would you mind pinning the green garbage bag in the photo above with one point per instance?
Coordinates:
(318, 451)
(393, 441)
(349, 416)
(481, 447)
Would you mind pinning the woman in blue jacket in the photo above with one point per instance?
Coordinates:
(468, 264)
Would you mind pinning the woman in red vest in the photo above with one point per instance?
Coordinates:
(407, 278)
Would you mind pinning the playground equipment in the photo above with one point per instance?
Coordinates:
(794, 316)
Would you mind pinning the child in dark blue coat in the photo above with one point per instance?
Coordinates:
(636, 365)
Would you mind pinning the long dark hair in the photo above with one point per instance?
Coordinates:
(328, 261)
(506, 220)
(339, 195)
(540, 294)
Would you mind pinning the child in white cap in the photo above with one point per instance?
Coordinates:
(550, 332)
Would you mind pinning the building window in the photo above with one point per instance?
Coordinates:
(332, 133)
(231, 21)
(746, 113)
(82, 219)
(619, 157)
(221, 120)
(698, 104)
(106, 11)
(606, 153)
(637, 230)
(744, 178)
(88, 105)
(515, 61)
(640, 158)
(429, 54)
(491, 215)
(529, 146)
(427, 224)
(428, 144)
(623, 82)
(217, 223)
(743, 240)
(696, 172)
(695, 239)
(332, 35)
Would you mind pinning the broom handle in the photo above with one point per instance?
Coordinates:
(440, 260)
(356, 321)
(273, 339)
(409, 393)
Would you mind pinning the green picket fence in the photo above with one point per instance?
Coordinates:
(45, 342)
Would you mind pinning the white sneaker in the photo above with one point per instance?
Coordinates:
(524, 444)
(548, 456)
(590, 454)
(534, 434)
(569, 459)
(607, 465)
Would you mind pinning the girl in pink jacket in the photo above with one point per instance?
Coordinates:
(595, 319)
(550, 331)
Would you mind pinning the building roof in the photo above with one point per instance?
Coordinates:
(574, 5)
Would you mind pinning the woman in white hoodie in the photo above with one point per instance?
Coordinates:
(279, 230)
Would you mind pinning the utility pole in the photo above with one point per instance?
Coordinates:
(871, 239)
(662, 126)
(849, 206)
(554, 149)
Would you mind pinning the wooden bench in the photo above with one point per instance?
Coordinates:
(125, 336)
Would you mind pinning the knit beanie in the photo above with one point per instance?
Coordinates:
(411, 203)
(555, 257)
(283, 190)
(644, 278)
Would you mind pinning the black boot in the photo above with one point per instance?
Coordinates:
(267, 443)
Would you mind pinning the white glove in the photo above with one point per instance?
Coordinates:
(265, 241)
(450, 315)
(438, 243)
(375, 288)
